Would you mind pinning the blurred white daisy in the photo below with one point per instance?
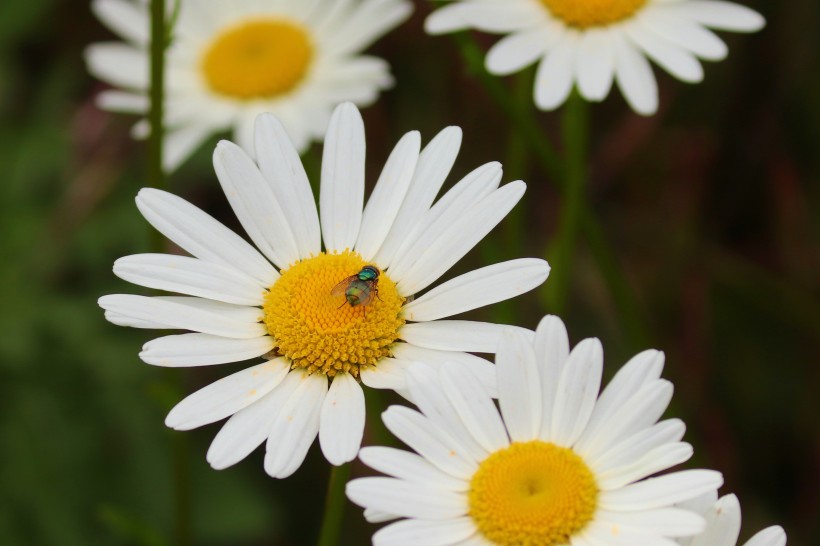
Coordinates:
(229, 61)
(591, 43)
(280, 301)
(559, 465)
(723, 524)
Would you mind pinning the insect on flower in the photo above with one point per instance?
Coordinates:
(359, 289)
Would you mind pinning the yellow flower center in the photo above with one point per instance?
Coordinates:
(257, 59)
(532, 493)
(592, 13)
(323, 333)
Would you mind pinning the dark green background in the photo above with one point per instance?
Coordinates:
(711, 208)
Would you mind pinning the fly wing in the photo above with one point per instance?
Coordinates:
(339, 289)
(368, 298)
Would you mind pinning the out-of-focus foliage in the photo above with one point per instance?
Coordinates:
(712, 208)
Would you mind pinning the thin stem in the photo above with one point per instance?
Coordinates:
(334, 506)
(160, 30)
(575, 131)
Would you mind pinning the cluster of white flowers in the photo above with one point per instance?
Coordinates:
(524, 451)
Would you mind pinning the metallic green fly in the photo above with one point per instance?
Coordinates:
(359, 289)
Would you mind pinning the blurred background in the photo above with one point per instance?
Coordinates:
(708, 249)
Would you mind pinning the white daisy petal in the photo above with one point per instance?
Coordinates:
(435, 404)
(677, 61)
(185, 350)
(227, 396)
(428, 440)
(771, 536)
(687, 35)
(389, 374)
(632, 447)
(341, 424)
(406, 499)
(186, 317)
(639, 412)
(283, 170)
(551, 353)
(190, 276)
(126, 18)
(672, 522)
(474, 406)
(478, 184)
(249, 427)
(118, 64)
(503, 16)
(377, 516)
(460, 237)
(634, 77)
(434, 164)
(595, 64)
(517, 51)
(255, 204)
(720, 15)
(199, 234)
(121, 101)
(599, 533)
(388, 195)
(519, 395)
(554, 76)
(478, 288)
(481, 368)
(577, 391)
(662, 491)
(409, 466)
(296, 426)
(430, 533)
(133, 322)
(642, 369)
(722, 523)
(455, 335)
(342, 191)
(448, 18)
(661, 458)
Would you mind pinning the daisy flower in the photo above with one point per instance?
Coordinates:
(229, 61)
(281, 300)
(591, 43)
(558, 465)
(723, 524)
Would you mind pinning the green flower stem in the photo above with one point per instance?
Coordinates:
(334, 506)
(575, 133)
(156, 178)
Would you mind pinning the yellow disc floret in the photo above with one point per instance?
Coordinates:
(323, 333)
(257, 59)
(592, 13)
(532, 493)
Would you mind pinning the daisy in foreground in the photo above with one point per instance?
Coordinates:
(591, 43)
(558, 465)
(723, 524)
(229, 61)
(340, 315)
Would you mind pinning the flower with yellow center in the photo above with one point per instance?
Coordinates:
(723, 524)
(229, 61)
(328, 297)
(591, 44)
(557, 465)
